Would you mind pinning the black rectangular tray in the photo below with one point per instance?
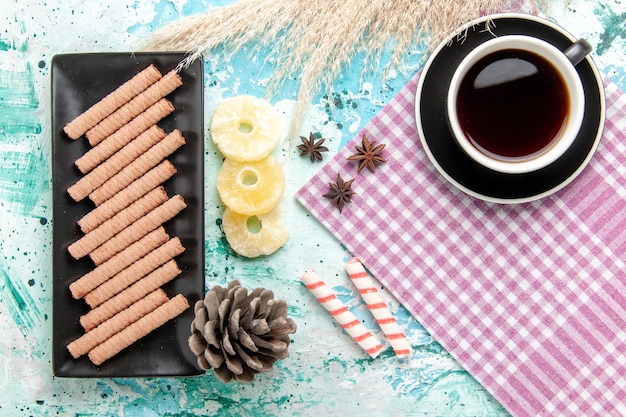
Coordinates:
(79, 81)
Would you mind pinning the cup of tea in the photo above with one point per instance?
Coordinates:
(516, 103)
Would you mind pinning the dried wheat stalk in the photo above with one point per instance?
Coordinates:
(315, 41)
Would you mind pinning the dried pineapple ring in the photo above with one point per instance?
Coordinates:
(253, 236)
(245, 128)
(251, 187)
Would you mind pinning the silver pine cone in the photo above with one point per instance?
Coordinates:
(239, 334)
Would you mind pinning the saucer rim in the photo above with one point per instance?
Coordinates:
(494, 199)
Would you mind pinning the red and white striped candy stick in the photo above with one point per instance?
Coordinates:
(378, 307)
(344, 317)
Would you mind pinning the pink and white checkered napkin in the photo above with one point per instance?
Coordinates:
(529, 298)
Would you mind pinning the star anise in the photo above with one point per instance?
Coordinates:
(368, 155)
(312, 148)
(340, 192)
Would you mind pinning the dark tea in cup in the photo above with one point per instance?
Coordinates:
(512, 104)
(515, 104)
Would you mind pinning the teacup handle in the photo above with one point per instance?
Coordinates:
(578, 51)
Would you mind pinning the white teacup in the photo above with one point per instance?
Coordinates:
(516, 124)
